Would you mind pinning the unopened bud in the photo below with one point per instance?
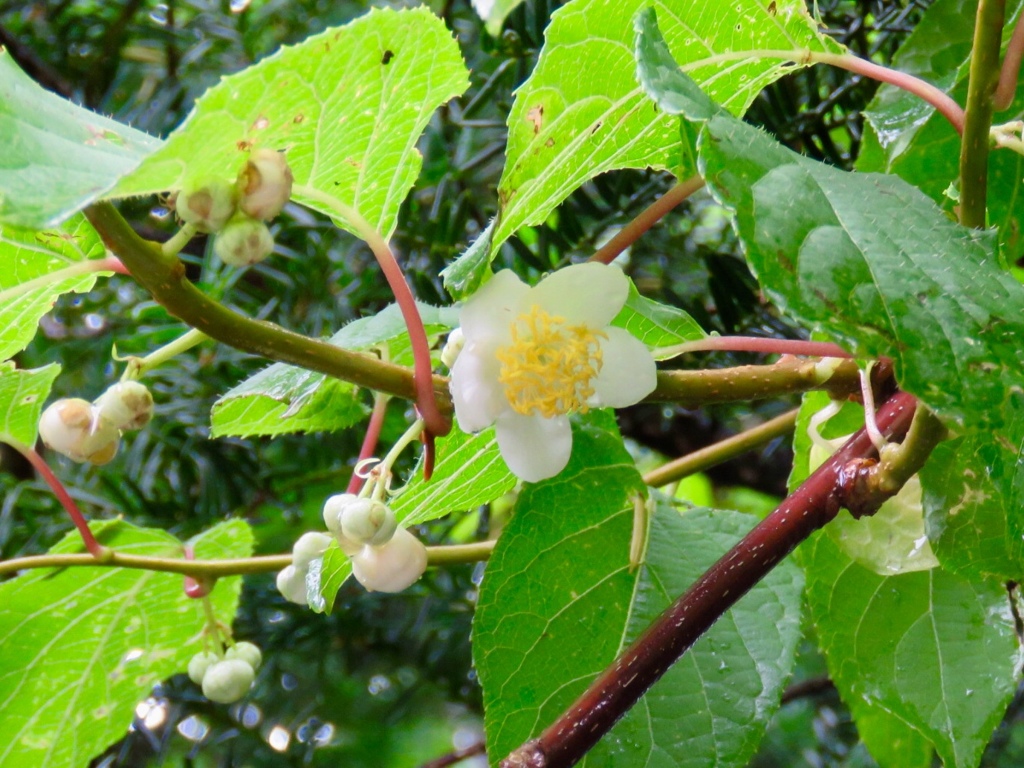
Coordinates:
(366, 521)
(243, 241)
(393, 566)
(264, 184)
(308, 548)
(77, 429)
(292, 584)
(198, 665)
(452, 347)
(126, 405)
(247, 652)
(206, 203)
(225, 682)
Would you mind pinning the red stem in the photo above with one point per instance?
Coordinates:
(1010, 71)
(380, 407)
(812, 505)
(112, 264)
(646, 219)
(767, 346)
(96, 549)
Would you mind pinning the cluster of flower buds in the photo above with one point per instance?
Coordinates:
(237, 213)
(91, 432)
(385, 558)
(226, 678)
(291, 582)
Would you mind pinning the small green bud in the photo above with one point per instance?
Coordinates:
(393, 566)
(225, 682)
(126, 405)
(199, 664)
(247, 652)
(264, 184)
(243, 241)
(206, 203)
(366, 521)
(77, 429)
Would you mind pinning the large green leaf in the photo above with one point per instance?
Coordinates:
(22, 394)
(348, 105)
(582, 113)
(931, 648)
(29, 255)
(80, 647)
(866, 258)
(656, 325)
(285, 398)
(57, 156)
(559, 601)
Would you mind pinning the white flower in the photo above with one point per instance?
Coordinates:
(534, 355)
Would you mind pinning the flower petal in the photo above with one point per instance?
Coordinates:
(490, 311)
(534, 448)
(589, 294)
(628, 373)
(478, 396)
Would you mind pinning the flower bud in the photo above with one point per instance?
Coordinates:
(292, 584)
(78, 430)
(264, 184)
(247, 652)
(308, 548)
(456, 341)
(225, 682)
(333, 508)
(393, 566)
(199, 664)
(366, 521)
(243, 241)
(206, 203)
(126, 405)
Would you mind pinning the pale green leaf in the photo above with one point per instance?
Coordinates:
(80, 647)
(582, 113)
(22, 394)
(935, 650)
(348, 106)
(469, 271)
(58, 157)
(656, 325)
(28, 255)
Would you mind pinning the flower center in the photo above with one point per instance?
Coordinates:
(548, 367)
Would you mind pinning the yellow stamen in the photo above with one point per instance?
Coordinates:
(548, 367)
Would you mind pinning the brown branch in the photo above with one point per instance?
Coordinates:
(812, 505)
(457, 756)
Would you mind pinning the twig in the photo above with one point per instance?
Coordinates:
(1010, 71)
(457, 756)
(721, 451)
(646, 219)
(812, 505)
(758, 344)
(981, 87)
(380, 408)
(810, 687)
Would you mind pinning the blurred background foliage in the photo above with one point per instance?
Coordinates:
(384, 681)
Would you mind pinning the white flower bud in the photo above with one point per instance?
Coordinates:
(292, 584)
(126, 405)
(225, 682)
(456, 341)
(264, 184)
(206, 203)
(393, 566)
(308, 548)
(77, 429)
(366, 521)
(243, 241)
(198, 665)
(333, 508)
(247, 652)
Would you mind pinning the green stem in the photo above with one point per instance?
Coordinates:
(984, 78)
(899, 461)
(722, 451)
(426, 400)
(139, 366)
(926, 91)
(108, 264)
(438, 556)
(164, 277)
(647, 218)
(179, 240)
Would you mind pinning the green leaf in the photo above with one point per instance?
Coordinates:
(27, 255)
(348, 106)
(865, 258)
(582, 113)
(469, 271)
(544, 629)
(656, 325)
(57, 157)
(468, 472)
(931, 648)
(324, 580)
(284, 398)
(80, 647)
(22, 394)
(892, 742)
